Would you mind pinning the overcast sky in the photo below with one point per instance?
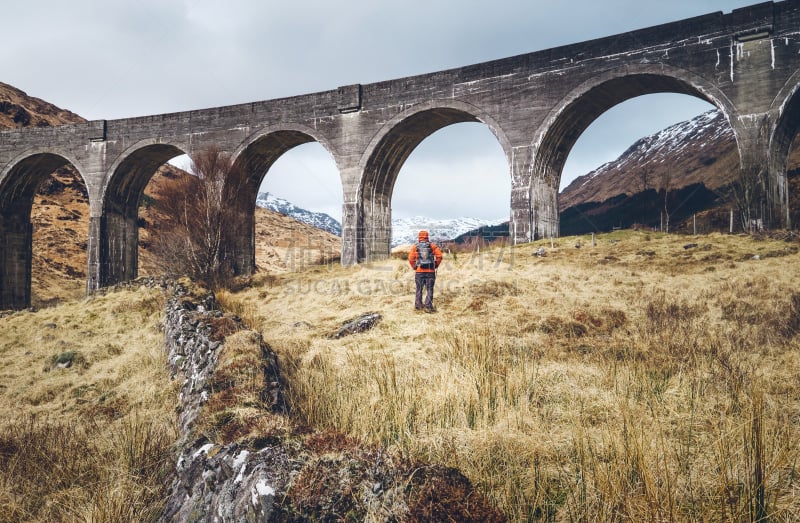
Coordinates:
(114, 59)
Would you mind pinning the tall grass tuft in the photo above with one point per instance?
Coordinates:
(63, 471)
(89, 442)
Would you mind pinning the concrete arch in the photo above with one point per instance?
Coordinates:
(261, 149)
(255, 156)
(785, 126)
(392, 145)
(21, 176)
(19, 181)
(128, 176)
(385, 156)
(114, 255)
(561, 129)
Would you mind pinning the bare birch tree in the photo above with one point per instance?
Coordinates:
(200, 214)
(666, 186)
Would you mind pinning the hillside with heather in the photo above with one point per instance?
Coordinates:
(17, 109)
(693, 162)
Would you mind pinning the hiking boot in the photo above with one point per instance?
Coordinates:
(430, 310)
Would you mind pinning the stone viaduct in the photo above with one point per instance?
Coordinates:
(746, 63)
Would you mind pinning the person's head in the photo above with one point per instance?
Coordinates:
(423, 236)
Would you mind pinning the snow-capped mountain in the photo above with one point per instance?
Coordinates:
(700, 150)
(404, 230)
(684, 172)
(287, 208)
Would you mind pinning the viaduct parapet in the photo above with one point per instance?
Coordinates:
(746, 63)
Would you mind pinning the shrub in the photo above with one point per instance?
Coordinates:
(198, 214)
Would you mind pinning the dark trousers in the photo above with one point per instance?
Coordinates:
(426, 280)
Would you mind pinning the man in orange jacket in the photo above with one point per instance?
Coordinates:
(424, 258)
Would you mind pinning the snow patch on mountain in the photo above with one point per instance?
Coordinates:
(706, 128)
(315, 219)
(405, 230)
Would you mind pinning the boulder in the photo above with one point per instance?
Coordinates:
(360, 324)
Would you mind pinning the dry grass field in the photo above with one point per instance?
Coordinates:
(87, 411)
(640, 379)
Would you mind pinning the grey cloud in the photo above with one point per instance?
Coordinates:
(116, 59)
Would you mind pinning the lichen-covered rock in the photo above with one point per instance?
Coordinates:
(228, 483)
(216, 482)
(359, 324)
(191, 351)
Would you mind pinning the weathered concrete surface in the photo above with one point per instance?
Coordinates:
(746, 63)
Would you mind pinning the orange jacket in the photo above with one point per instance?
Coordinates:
(413, 254)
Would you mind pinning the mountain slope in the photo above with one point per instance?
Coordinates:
(17, 109)
(285, 207)
(684, 169)
(699, 151)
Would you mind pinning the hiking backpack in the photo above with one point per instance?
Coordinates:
(425, 256)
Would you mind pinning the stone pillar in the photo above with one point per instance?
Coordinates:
(779, 184)
(754, 88)
(94, 276)
(16, 240)
(377, 227)
(544, 208)
(534, 199)
(778, 161)
(113, 251)
(244, 240)
(520, 227)
(381, 229)
(366, 220)
(122, 237)
(758, 192)
(352, 232)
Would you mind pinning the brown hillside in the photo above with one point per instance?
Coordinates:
(17, 109)
(282, 243)
(60, 212)
(685, 155)
(702, 150)
(60, 218)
